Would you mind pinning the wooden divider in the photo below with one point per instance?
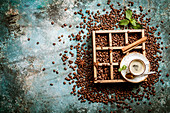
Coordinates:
(143, 44)
(111, 59)
(107, 48)
(94, 55)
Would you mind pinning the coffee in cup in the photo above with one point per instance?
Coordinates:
(137, 67)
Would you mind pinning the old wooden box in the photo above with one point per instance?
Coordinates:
(111, 48)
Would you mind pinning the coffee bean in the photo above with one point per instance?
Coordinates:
(70, 26)
(52, 23)
(43, 69)
(98, 4)
(54, 44)
(51, 84)
(137, 103)
(57, 72)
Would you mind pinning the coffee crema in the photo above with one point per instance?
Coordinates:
(137, 67)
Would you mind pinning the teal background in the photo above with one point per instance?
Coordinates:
(26, 89)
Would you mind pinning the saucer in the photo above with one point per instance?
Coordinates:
(127, 59)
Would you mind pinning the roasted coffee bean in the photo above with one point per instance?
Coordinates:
(52, 23)
(98, 4)
(54, 44)
(57, 72)
(43, 69)
(53, 70)
(51, 84)
(137, 103)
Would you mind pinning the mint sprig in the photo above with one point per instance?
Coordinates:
(130, 20)
(123, 68)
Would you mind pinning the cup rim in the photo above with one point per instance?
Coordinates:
(139, 60)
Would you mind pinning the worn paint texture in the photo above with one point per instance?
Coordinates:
(25, 88)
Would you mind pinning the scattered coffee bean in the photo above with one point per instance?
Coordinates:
(56, 72)
(54, 44)
(98, 4)
(43, 69)
(52, 23)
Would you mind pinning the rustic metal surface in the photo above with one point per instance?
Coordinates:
(25, 88)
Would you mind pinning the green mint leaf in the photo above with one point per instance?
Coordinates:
(124, 22)
(124, 67)
(138, 26)
(133, 22)
(120, 69)
(134, 27)
(128, 14)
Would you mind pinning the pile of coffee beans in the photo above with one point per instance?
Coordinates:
(103, 73)
(102, 56)
(116, 73)
(132, 37)
(102, 40)
(118, 39)
(82, 76)
(117, 56)
(137, 50)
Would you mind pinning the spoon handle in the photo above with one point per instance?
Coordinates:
(152, 72)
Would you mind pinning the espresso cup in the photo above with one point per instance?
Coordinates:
(137, 67)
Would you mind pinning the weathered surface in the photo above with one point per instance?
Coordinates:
(25, 88)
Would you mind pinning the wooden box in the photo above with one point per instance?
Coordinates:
(110, 47)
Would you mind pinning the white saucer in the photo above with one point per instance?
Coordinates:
(127, 59)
